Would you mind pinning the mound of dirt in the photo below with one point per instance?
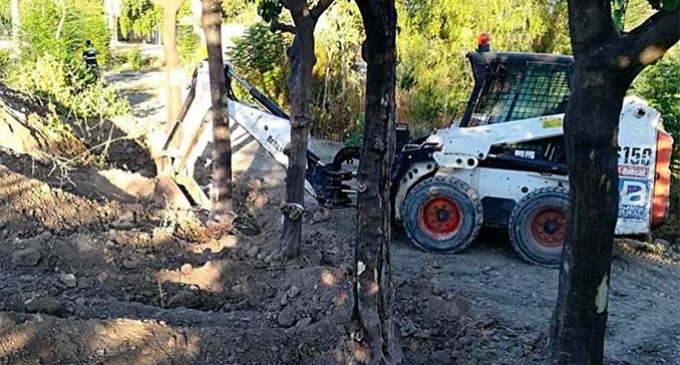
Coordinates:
(28, 126)
(29, 206)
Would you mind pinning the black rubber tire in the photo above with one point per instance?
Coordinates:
(469, 206)
(521, 218)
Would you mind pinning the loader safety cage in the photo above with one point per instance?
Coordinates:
(515, 86)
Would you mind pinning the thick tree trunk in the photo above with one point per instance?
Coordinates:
(221, 193)
(173, 87)
(16, 23)
(302, 60)
(373, 325)
(591, 130)
(606, 64)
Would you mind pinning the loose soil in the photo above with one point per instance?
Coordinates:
(91, 272)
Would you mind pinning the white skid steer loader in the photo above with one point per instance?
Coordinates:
(503, 163)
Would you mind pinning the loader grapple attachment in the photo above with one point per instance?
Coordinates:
(328, 185)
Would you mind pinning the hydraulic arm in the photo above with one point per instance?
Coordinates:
(268, 124)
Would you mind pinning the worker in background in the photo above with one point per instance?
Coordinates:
(90, 57)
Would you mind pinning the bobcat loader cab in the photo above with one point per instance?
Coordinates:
(504, 163)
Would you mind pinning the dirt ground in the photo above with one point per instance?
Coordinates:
(91, 272)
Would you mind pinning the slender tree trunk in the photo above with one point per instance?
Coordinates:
(373, 324)
(211, 20)
(113, 29)
(16, 24)
(606, 63)
(302, 60)
(62, 4)
(174, 95)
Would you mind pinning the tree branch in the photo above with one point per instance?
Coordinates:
(287, 28)
(320, 7)
(648, 42)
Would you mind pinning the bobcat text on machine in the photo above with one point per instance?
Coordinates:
(502, 164)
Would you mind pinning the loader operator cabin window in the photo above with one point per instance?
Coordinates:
(521, 91)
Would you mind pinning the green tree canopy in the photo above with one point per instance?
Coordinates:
(139, 16)
(435, 34)
(61, 28)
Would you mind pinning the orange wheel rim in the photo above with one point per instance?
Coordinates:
(548, 228)
(440, 218)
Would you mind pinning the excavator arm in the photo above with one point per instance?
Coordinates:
(268, 124)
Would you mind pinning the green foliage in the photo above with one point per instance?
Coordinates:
(5, 19)
(49, 28)
(139, 16)
(66, 86)
(433, 73)
(628, 14)
(5, 12)
(336, 93)
(5, 61)
(189, 46)
(619, 8)
(51, 64)
(356, 133)
(135, 59)
(269, 10)
(239, 11)
(659, 84)
(337, 87)
(260, 57)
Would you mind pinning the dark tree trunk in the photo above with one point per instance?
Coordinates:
(590, 129)
(174, 95)
(221, 191)
(373, 325)
(302, 60)
(606, 64)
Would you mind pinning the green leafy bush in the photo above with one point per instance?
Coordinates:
(140, 17)
(336, 90)
(5, 19)
(67, 87)
(5, 61)
(134, 59)
(51, 64)
(62, 31)
(260, 57)
(433, 74)
(189, 46)
(356, 132)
